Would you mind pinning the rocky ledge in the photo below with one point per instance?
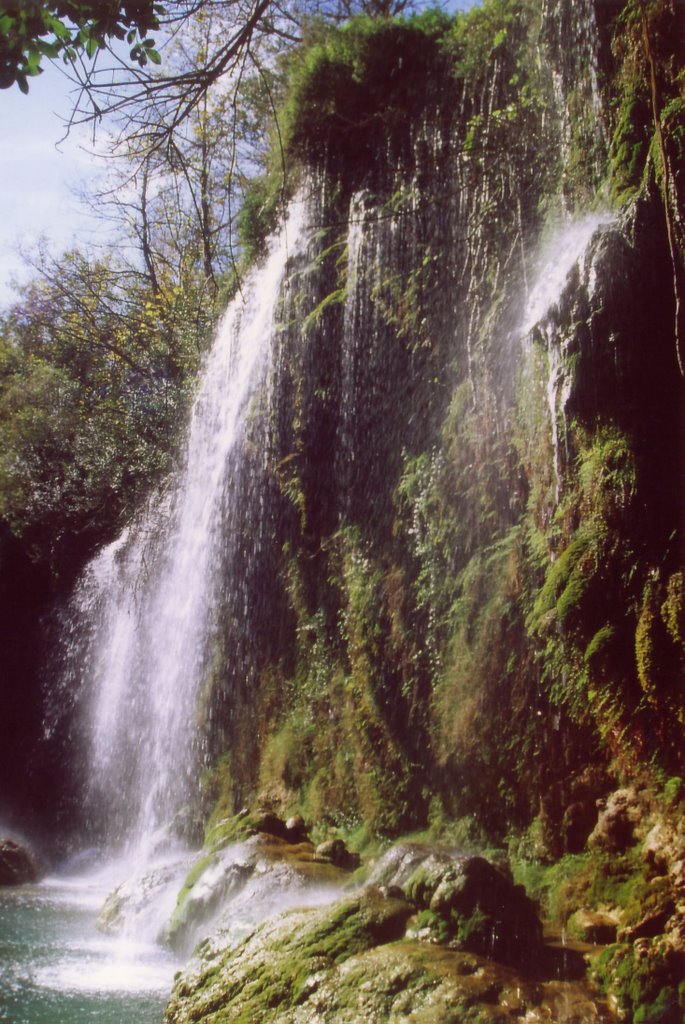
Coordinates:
(251, 867)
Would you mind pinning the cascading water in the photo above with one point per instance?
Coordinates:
(565, 248)
(138, 637)
(142, 612)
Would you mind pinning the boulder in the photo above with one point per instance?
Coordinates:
(17, 864)
(615, 828)
(335, 851)
(424, 865)
(465, 901)
(231, 890)
(594, 926)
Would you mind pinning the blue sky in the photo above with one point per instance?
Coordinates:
(38, 176)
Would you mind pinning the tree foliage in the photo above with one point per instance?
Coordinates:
(31, 31)
(94, 378)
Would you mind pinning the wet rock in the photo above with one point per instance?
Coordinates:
(349, 964)
(231, 890)
(335, 851)
(592, 926)
(17, 864)
(472, 904)
(615, 828)
(283, 963)
(145, 899)
(402, 862)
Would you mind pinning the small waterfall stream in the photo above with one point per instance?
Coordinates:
(563, 251)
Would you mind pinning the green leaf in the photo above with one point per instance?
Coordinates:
(58, 28)
(49, 50)
(154, 56)
(22, 83)
(32, 63)
(92, 46)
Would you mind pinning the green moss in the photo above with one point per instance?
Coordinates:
(556, 887)
(646, 983)
(644, 643)
(559, 579)
(262, 204)
(674, 791)
(366, 73)
(629, 146)
(272, 969)
(599, 643)
(673, 608)
(181, 912)
(593, 881)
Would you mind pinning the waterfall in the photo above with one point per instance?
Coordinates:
(142, 615)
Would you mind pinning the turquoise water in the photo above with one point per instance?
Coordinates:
(56, 968)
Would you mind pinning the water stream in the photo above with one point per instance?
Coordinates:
(563, 251)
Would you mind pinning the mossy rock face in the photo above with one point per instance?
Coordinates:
(644, 980)
(615, 828)
(246, 823)
(592, 926)
(342, 964)
(277, 966)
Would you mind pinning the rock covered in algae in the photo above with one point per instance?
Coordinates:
(284, 961)
(348, 963)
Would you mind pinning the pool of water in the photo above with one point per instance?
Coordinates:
(56, 968)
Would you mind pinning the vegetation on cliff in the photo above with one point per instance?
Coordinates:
(462, 600)
(502, 617)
